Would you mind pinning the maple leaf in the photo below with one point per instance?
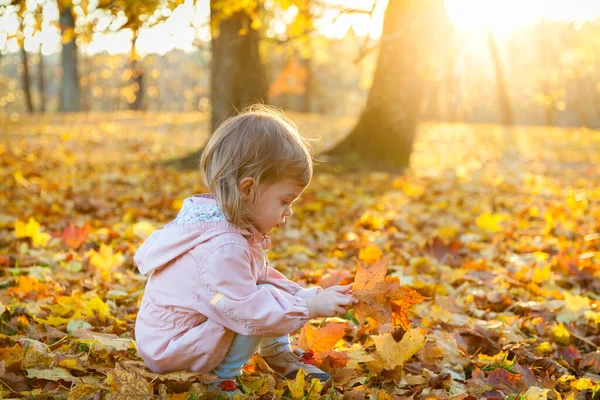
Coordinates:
(106, 261)
(378, 296)
(73, 236)
(506, 382)
(320, 340)
(125, 384)
(69, 308)
(32, 230)
(394, 353)
(489, 222)
(31, 288)
(12, 355)
(296, 386)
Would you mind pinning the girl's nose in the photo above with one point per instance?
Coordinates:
(288, 212)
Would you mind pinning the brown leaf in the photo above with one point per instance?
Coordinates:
(126, 385)
(506, 382)
(591, 361)
(548, 365)
(446, 253)
(473, 343)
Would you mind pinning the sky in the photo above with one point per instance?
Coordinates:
(187, 22)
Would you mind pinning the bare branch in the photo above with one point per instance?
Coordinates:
(363, 50)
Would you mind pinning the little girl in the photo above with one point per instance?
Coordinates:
(211, 298)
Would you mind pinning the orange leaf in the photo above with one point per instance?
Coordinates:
(74, 236)
(320, 340)
(379, 295)
(31, 288)
(12, 355)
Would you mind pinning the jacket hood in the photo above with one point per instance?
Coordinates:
(199, 220)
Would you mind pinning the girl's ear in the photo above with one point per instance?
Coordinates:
(246, 187)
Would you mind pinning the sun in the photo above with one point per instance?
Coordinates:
(502, 18)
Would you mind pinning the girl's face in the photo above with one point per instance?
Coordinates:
(273, 202)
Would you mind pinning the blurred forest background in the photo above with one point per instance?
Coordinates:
(549, 70)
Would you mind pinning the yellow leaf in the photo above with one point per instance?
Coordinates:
(32, 230)
(12, 355)
(297, 385)
(543, 348)
(560, 334)
(20, 179)
(535, 393)
(576, 303)
(369, 254)
(395, 353)
(447, 231)
(583, 383)
(575, 306)
(52, 320)
(490, 222)
(105, 260)
(97, 305)
(81, 391)
(370, 221)
(68, 308)
(253, 384)
(542, 274)
(315, 388)
(592, 317)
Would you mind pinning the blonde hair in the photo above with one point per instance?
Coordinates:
(261, 143)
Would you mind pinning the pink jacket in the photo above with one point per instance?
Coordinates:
(202, 288)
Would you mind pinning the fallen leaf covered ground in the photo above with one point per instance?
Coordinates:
(477, 271)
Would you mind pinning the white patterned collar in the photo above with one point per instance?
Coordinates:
(192, 212)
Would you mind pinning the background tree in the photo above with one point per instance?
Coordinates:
(134, 15)
(18, 8)
(237, 72)
(70, 93)
(411, 49)
(238, 76)
(21, 6)
(39, 18)
(504, 101)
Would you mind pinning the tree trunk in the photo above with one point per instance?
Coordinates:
(41, 82)
(137, 76)
(504, 101)
(238, 77)
(384, 135)
(26, 82)
(70, 95)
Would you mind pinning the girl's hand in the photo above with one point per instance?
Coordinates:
(331, 301)
(344, 289)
